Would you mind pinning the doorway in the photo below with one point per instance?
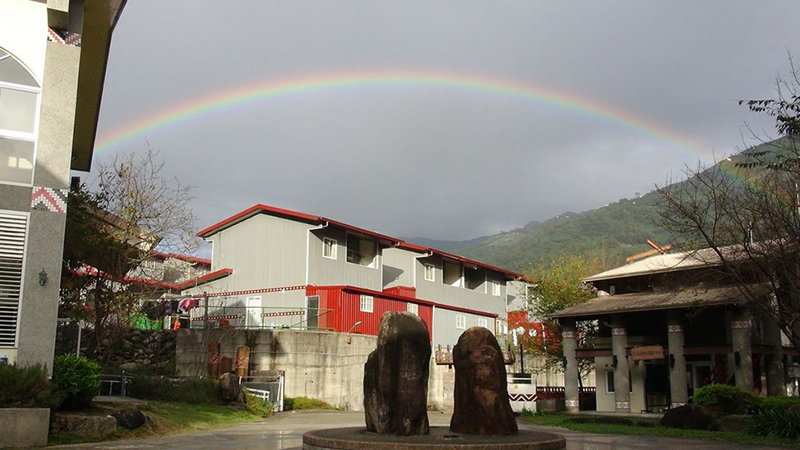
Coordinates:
(656, 387)
(312, 312)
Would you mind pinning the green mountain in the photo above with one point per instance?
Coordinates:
(619, 229)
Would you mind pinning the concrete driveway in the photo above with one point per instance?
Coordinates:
(285, 431)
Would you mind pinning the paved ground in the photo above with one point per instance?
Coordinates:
(285, 431)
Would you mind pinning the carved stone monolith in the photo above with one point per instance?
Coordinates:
(396, 377)
(481, 393)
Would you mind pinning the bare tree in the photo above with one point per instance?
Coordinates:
(112, 230)
(745, 211)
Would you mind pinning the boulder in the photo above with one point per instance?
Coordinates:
(396, 377)
(229, 388)
(481, 391)
(83, 425)
(130, 418)
(690, 417)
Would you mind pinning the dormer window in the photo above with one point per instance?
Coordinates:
(361, 250)
(329, 248)
(430, 272)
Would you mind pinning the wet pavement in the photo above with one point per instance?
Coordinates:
(285, 431)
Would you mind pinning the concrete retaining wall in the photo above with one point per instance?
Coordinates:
(321, 365)
(317, 364)
(24, 427)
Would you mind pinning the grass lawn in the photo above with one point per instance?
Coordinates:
(649, 427)
(168, 418)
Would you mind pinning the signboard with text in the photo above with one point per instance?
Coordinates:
(647, 352)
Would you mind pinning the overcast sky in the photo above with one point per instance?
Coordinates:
(439, 162)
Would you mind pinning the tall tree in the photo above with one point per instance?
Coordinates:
(747, 211)
(555, 285)
(111, 230)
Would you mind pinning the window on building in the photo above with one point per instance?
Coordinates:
(451, 274)
(361, 250)
(412, 308)
(495, 288)
(461, 321)
(366, 303)
(329, 248)
(482, 322)
(19, 106)
(475, 279)
(430, 272)
(13, 228)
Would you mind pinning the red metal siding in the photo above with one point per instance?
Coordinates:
(402, 291)
(346, 310)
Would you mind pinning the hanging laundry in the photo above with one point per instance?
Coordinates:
(186, 305)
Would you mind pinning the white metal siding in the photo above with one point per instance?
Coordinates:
(13, 229)
(444, 326)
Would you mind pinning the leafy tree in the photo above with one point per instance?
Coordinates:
(556, 285)
(111, 230)
(747, 211)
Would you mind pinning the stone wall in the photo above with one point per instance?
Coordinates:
(323, 365)
(133, 349)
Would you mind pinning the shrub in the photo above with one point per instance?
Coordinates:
(77, 380)
(258, 406)
(26, 387)
(186, 390)
(729, 399)
(780, 402)
(298, 403)
(778, 422)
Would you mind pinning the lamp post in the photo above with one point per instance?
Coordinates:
(349, 336)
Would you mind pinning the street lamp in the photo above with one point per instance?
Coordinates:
(349, 336)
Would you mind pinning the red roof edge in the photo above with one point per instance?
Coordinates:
(419, 301)
(260, 208)
(212, 276)
(188, 258)
(423, 249)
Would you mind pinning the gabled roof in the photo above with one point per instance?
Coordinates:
(319, 220)
(650, 301)
(668, 262)
(280, 212)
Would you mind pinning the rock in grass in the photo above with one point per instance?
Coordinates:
(396, 377)
(691, 417)
(130, 418)
(230, 390)
(481, 393)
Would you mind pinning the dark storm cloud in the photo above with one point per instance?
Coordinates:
(447, 164)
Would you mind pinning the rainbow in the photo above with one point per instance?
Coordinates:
(272, 90)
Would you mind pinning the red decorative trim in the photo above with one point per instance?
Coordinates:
(226, 317)
(49, 199)
(254, 291)
(64, 37)
(282, 313)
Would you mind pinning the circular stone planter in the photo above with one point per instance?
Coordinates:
(440, 438)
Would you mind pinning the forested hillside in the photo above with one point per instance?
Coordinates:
(619, 229)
